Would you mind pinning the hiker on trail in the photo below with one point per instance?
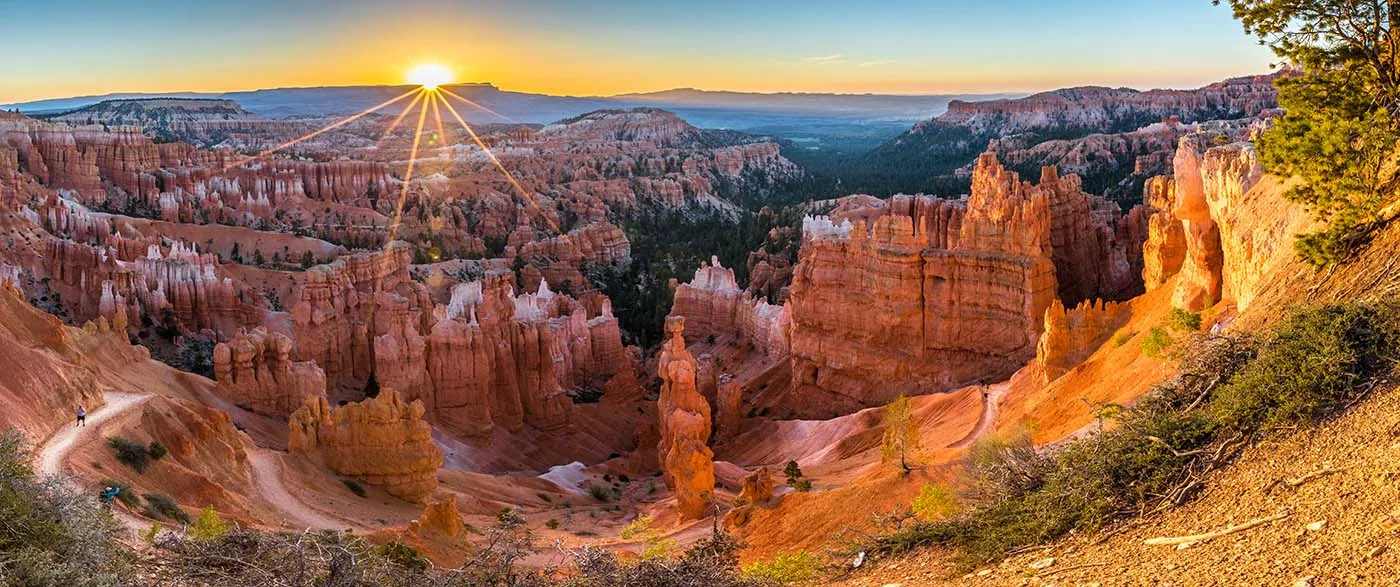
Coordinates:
(82, 417)
(108, 493)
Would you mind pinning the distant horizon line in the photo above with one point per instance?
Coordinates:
(212, 93)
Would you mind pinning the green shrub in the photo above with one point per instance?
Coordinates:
(934, 502)
(787, 568)
(149, 534)
(124, 493)
(1156, 343)
(792, 472)
(599, 492)
(1184, 321)
(802, 485)
(156, 450)
(403, 556)
(1123, 337)
(53, 532)
(354, 487)
(161, 506)
(657, 546)
(130, 452)
(552, 524)
(1310, 367)
(209, 525)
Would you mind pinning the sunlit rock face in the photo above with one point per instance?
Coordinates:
(1072, 334)
(684, 426)
(714, 306)
(102, 268)
(1164, 249)
(919, 294)
(1104, 109)
(381, 440)
(1231, 236)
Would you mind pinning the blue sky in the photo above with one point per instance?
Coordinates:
(69, 47)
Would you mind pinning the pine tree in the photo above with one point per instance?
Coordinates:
(1340, 131)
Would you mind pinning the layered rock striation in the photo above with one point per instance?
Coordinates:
(487, 357)
(922, 294)
(1071, 335)
(382, 440)
(713, 305)
(255, 370)
(1213, 228)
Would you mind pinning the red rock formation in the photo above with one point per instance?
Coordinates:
(255, 370)
(1227, 234)
(1164, 249)
(1200, 285)
(185, 118)
(1104, 109)
(382, 441)
(440, 517)
(499, 359)
(36, 374)
(137, 276)
(757, 487)
(1089, 261)
(729, 407)
(1072, 335)
(1256, 231)
(603, 244)
(932, 295)
(713, 305)
(684, 426)
(1141, 152)
(332, 313)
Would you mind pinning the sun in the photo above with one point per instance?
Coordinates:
(429, 75)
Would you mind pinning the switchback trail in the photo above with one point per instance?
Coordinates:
(265, 464)
(56, 449)
(988, 418)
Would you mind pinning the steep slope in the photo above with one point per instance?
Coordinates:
(1340, 527)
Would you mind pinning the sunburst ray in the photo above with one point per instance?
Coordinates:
(421, 92)
(342, 122)
(475, 105)
(524, 195)
(437, 119)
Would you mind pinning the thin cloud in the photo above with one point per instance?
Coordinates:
(826, 59)
(875, 63)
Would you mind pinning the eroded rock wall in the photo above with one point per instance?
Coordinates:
(924, 294)
(381, 440)
(255, 370)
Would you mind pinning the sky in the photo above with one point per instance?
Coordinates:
(62, 48)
